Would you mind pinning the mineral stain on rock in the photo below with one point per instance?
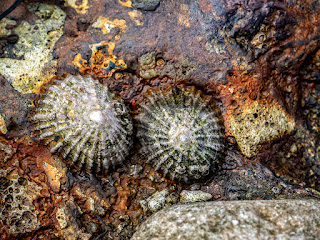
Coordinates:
(181, 133)
(83, 120)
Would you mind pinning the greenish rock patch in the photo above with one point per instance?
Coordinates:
(257, 123)
(35, 63)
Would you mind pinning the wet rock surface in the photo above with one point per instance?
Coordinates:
(278, 219)
(147, 5)
(258, 60)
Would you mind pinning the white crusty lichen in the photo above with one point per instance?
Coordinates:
(181, 133)
(83, 120)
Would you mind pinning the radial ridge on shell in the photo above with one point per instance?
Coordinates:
(80, 118)
(181, 133)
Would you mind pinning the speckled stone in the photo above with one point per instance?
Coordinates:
(194, 196)
(276, 219)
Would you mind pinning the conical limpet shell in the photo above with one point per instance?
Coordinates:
(181, 132)
(82, 119)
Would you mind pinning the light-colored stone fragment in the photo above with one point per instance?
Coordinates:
(55, 172)
(156, 201)
(263, 219)
(194, 196)
(61, 218)
(159, 200)
(68, 225)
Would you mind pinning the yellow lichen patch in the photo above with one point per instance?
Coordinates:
(102, 62)
(3, 128)
(79, 7)
(136, 17)
(34, 63)
(257, 123)
(106, 25)
(127, 3)
(78, 61)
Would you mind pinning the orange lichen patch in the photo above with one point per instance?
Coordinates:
(78, 61)
(106, 25)
(3, 128)
(127, 3)
(102, 62)
(79, 7)
(184, 16)
(136, 17)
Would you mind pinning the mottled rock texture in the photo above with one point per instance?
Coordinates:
(277, 219)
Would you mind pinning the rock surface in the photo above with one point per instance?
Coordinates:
(276, 219)
(259, 61)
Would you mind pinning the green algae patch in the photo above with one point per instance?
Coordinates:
(34, 63)
(257, 123)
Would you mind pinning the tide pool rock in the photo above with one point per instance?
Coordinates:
(261, 219)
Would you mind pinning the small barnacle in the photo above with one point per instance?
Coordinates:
(83, 120)
(181, 133)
